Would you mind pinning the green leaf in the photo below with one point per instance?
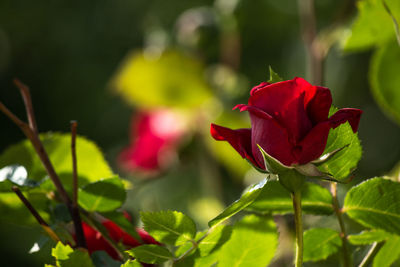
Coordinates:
(61, 251)
(131, 263)
(369, 237)
(245, 200)
(104, 195)
(253, 243)
(384, 79)
(345, 161)
(389, 253)
(375, 203)
(67, 257)
(91, 163)
(320, 243)
(273, 76)
(15, 175)
(215, 240)
(151, 254)
(180, 81)
(365, 32)
(169, 227)
(276, 199)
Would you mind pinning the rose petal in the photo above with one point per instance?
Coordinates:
(313, 145)
(294, 118)
(352, 115)
(258, 87)
(239, 139)
(318, 106)
(270, 135)
(272, 98)
(286, 102)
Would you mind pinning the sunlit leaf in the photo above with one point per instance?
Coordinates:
(215, 240)
(375, 203)
(245, 200)
(173, 79)
(169, 227)
(91, 163)
(104, 195)
(276, 199)
(344, 162)
(151, 254)
(67, 257)
(320, 243)
(253, 243)
(389, 253)
(366, 32)
(384, 78)
(131, 263)
(369, 237)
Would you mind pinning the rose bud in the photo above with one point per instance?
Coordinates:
(290, 124)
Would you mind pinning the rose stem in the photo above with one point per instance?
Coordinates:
(31, 132)
(75, 208)
(35, 214)
(347, 261)
(298, 220)
(371, 254)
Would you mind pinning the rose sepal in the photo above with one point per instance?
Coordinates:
(325, 157)
(271, 164)
(292, 180)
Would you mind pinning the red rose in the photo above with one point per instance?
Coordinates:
(289, 120)
(95, 241)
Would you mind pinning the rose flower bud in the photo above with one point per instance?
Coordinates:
(289, 121)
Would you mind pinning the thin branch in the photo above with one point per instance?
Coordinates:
(26, 96)
(371, 254)
(347, 260)
(36, 214)
(309, 34)
(30, 131)
(74, 125)
(80, 236)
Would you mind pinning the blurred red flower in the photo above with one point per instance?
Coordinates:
(95, 241)
(155, 136)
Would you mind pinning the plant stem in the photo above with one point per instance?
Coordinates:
(347, 260)
(371, 254)
(31, 132)
(298, 220)
(74, 124)
(36, 214)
